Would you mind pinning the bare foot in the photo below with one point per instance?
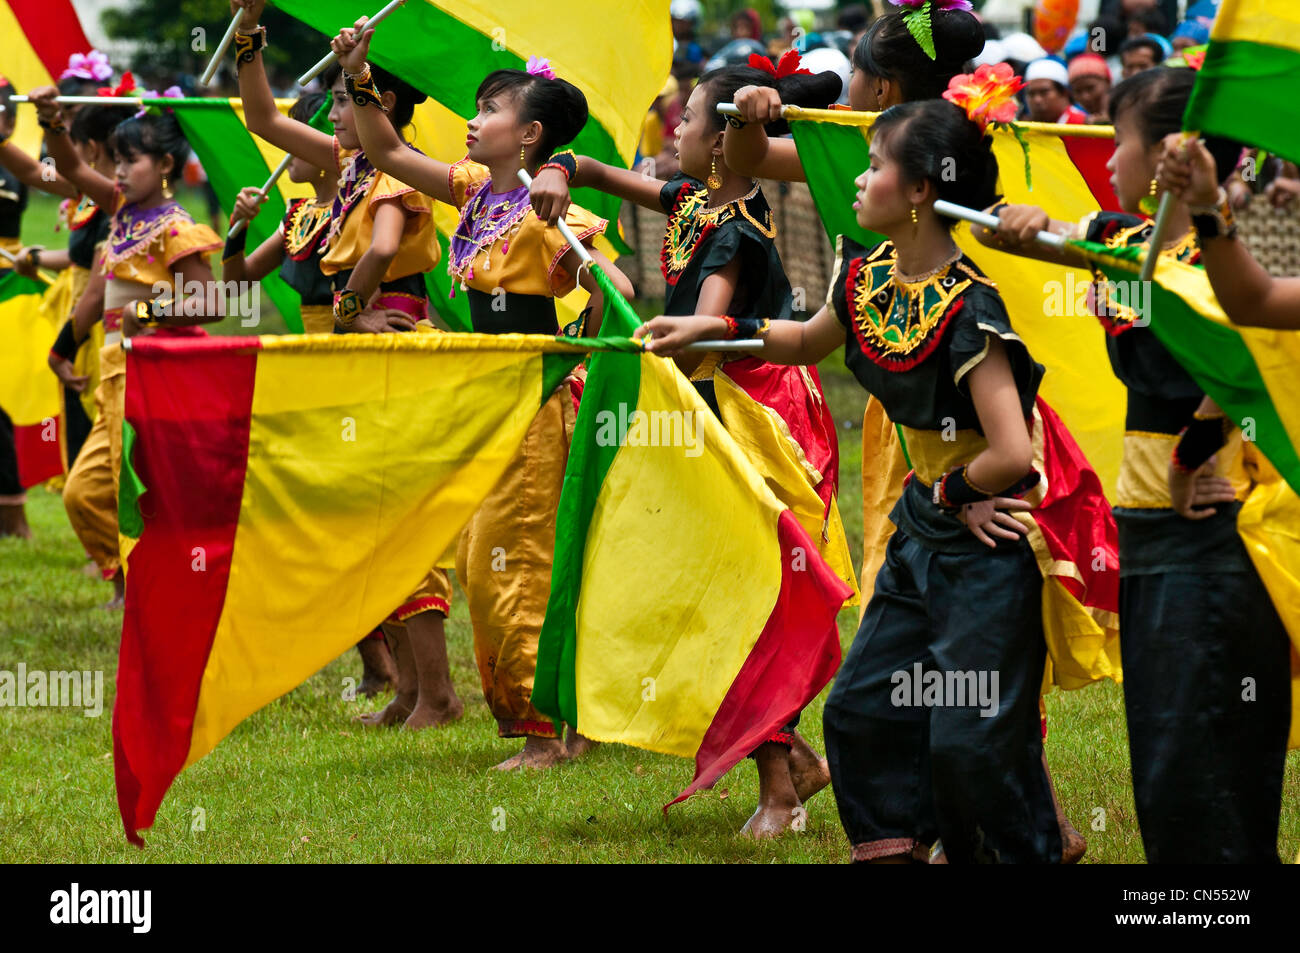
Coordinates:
(119, 593)
(378, 671)
(576, 745)
(1073, 846)
(426, 715)
(394, 713)
(115, 604)
(772, 820)
(13, 521)
(809, 772)
(537, 753)
(92, 570)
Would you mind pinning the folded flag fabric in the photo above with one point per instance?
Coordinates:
(1250, 372)
(691, 612)
(1246, 87)
(316, 455)
(40, 37)
(29, 393)
(445, 49)
(1069, 180)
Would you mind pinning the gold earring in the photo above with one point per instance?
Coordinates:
(166, 188)
(1150, 204)
(916, 221)
(523, 159)
(714, 181)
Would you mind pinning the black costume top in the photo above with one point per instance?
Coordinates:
(701, 240)
(88, 226)
(13, 202)
(303, 226)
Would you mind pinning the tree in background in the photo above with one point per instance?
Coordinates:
(164, 30)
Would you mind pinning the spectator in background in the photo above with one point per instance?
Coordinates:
(1090, 86)
(1190, 33)
(855, 18)
(685, 15)
(746, 25)
(1151, 21)
(1047, 93)
(1126, 9)
(1143, 53)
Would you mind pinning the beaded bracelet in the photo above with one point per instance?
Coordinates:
(954, 490)
(361, 89)
(565, 161)
(1214, 221)
(738, 328)
(347, 305)
(246, 44)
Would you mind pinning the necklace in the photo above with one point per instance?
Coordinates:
(487, 218)
(904, 280)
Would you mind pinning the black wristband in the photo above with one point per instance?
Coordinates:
(1023, 485)
(65, 345)
(953, 490)
(1199, 441)
(235, 244)
(565, 161)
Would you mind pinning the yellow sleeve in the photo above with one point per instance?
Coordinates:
(185, 240)
(584, 225)
(462, 177)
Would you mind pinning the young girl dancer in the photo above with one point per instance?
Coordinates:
(1207, 765)
(151, 240)
(512, 267)
(380, 241)
(719, 254)
(960, 591)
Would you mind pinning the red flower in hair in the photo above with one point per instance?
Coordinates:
(787, 66)
(124, 88)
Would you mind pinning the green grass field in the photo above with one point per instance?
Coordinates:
(302, 781)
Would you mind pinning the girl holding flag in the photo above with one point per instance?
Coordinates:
(379, 242)
(960, 589)
(151, 241)
(1207, 758)
(512, 267)
(719, 254)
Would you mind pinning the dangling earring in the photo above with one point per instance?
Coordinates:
(523, 159)
(167, 191)
(714, 181)
(1150, 204)
(916, 221)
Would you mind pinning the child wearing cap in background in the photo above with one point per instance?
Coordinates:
(1090, 82)
(1047, 93)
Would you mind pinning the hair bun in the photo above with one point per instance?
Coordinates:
(958, 36)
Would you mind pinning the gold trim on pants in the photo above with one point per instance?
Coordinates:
(90, 494)
(504, 565)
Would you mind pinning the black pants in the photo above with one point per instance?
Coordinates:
(9, 483)
(78, 425)
(904, 774)
(1207, 695)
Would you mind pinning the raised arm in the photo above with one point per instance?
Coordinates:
(380, 141)
(100, 189)
(550, 191)
(236, 265)
(748, 150)
(1248, 293)
(34, 175)
(260, 112)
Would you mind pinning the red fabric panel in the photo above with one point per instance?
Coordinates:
(1090, 157)
(190, 402)
(54, 31)
(796, 655)
(785, 390)
(1075, 517)
(38, 459)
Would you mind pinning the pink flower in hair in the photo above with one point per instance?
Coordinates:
(93, 66)
(540, 66)
(938, 4)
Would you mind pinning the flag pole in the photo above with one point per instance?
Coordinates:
(264, 190)
(325, 61)
(88, 100)
(221, 50)
(951, 210)
(585, 257)
(13, 260)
